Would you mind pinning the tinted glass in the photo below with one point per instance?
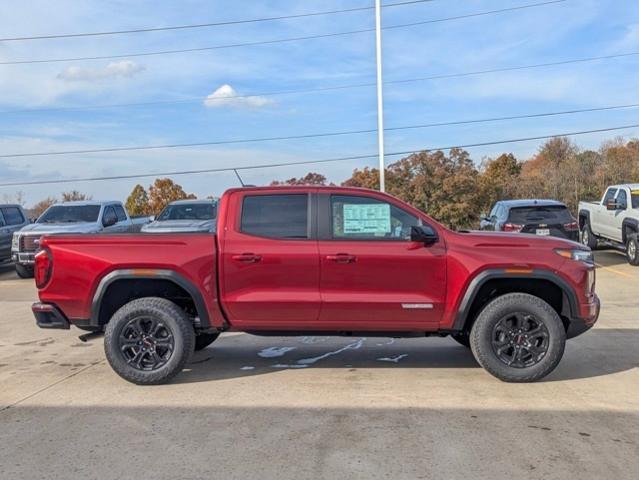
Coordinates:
(634, 195)
(622, 199)
(121, 214)
(550, 214)
(365, 218)
(70, 214)
(610, 194)
(12, 216)
(191, 211)
(109, 216)
(275, 216)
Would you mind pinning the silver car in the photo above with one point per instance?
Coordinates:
(185, 216)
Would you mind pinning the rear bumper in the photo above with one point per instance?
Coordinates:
(578, 326)
(49, 316)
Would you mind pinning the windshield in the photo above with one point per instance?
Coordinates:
(192, 211)
(545, 214)
(70, 214)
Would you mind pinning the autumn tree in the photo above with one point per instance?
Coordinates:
(310, 178)
(164, 191)
(137, 203)
(498, 180)
(74, 196)
(39, 208)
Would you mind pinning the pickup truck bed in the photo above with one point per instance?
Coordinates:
(298, 260)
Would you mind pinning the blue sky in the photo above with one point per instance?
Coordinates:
(573, 29)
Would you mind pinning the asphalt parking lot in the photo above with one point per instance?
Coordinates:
(358, 408)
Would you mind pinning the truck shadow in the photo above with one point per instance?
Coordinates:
(611, 258)
(599, 352)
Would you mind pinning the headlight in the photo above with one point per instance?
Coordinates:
(15, 242)
(577, 254)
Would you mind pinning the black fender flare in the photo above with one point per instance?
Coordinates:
(481, 278)
(628, 224)
(148, 274)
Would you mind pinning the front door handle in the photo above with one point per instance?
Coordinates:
(247, 258)
(341, 258)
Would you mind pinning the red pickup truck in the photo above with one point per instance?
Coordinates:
(324, 260)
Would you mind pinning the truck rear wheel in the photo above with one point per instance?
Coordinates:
(587, 237)
(632, 249)
(24, 271)
(203, 340)
(518, 338)
(149, 340)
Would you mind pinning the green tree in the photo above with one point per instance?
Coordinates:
(137, 202)
(498, 180)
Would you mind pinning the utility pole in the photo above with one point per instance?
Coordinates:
(380, 96)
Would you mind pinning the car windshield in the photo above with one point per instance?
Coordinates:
(191, 211)
(70, 214)
(540, 214)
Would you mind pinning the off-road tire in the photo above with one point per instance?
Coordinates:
(481, 337)
(588, 238)
(203, 340)
(632, 249)
(172, 317)
(24, 271)
(462, 338)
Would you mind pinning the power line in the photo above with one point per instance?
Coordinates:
(318, 135)
(212, 24)
(314, 135)
(309, 162)
(281, 40)
(327, 89)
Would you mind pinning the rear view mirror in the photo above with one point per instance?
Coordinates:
(424, 234)
(612, 204)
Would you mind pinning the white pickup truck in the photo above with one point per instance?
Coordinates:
(614, 220)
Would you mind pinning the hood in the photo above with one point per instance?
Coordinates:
(175, 226)
(50, 228)
(504, 239)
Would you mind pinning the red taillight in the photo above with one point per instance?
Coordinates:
(43, 267)
(572, 226)
(512, 227)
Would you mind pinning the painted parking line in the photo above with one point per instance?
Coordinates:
(614, 270)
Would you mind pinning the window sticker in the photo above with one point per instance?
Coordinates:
(374, 219)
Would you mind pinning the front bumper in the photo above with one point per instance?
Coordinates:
(23, 258)
(578, 326)
(49, 316)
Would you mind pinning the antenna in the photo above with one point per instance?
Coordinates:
(238, 177)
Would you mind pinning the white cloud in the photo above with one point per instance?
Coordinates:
(227, 96)
(123, 68)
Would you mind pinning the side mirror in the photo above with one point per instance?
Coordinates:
(152, 218)
(424, 234)
(109, 221)
(612, 204)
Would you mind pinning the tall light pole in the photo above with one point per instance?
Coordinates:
(380, 94)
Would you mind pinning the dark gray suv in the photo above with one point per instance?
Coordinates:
(12, 219)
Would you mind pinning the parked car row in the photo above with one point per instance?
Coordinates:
(613, 221)
(20, 239)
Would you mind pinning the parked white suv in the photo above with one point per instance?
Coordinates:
(613, 220)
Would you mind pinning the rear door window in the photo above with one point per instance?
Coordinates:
(119, 211)
(12, 216)
(276, 216)
(539, 214)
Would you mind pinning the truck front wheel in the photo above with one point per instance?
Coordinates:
(632, 249)
(24, 271)
(149, 340)
(518, 337)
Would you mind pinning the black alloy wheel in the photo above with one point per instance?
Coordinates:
(519, 340)
(146, 343)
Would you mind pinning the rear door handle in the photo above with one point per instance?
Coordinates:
(247, 258)
(341, 258)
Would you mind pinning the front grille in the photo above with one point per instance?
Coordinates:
(29, 243)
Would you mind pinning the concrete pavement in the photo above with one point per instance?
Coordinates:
(357, 408)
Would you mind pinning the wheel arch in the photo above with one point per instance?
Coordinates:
(119, 287)
(490, 284)
(583, 217)
(629, 225)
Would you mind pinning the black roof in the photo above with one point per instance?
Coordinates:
(531, 203)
